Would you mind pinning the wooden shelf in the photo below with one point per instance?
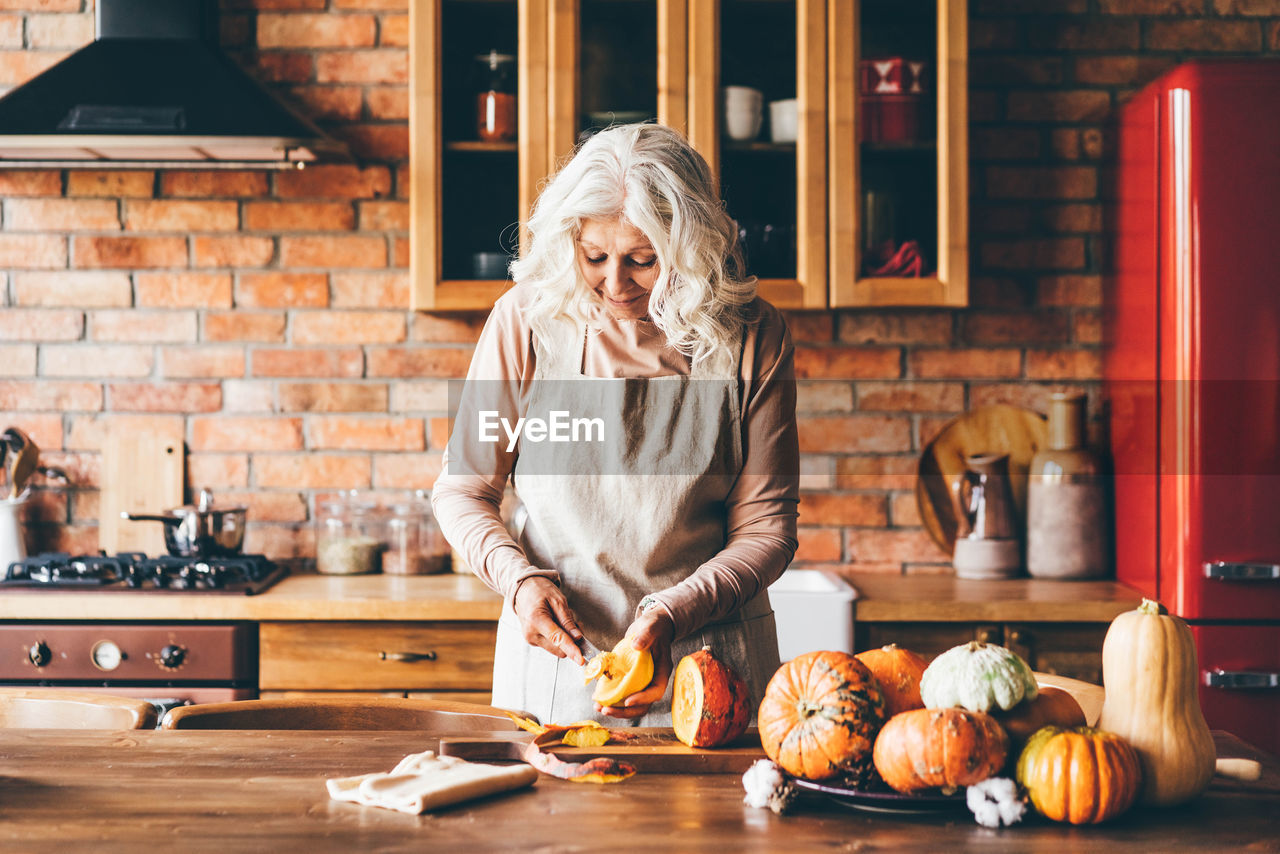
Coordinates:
(481, 146)
(759, 147)
(928, 146)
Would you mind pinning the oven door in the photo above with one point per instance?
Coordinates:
(169, 664)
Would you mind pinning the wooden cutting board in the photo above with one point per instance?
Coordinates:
(996, 429)
(652, 749)
(142, 472)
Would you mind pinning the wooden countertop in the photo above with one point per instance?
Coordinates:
(881, 599)
(103, 791)
(944, 598)
(298, 597)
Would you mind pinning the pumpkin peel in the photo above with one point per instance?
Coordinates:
(601, 769)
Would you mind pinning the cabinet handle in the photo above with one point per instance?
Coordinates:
(1236, 571)
(407, 657)
(1240, 679)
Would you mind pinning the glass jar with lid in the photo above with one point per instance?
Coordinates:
(496, 117)
(415, 545)
(350, 535)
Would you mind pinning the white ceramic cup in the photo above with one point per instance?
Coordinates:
(784, 121)
(743, 112)
(12, 547)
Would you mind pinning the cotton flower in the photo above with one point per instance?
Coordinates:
(767, 787)
(995, 802)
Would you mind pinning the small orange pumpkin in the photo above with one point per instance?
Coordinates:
(820, 715)
(1080, 775)
(1052, 706)
(710, 704)
(939, 748)
(898, 671)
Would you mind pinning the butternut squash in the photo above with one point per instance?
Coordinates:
(1150, 675)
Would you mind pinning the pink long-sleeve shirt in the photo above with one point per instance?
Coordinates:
(761, 508)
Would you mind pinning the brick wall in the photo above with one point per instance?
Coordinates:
(259, 311)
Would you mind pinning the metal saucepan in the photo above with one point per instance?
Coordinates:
(201, 530)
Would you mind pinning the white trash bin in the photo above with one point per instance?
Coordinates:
(814, 611)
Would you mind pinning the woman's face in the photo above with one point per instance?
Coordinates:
(619, 264)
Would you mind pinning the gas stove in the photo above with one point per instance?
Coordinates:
(134, 571)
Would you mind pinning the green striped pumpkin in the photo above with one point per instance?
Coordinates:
(820, 715)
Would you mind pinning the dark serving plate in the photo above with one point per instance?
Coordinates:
(884, 799)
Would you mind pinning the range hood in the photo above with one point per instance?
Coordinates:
(154, 90)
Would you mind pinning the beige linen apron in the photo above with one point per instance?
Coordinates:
(624, 517)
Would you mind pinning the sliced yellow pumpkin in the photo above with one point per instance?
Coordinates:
(622, 672)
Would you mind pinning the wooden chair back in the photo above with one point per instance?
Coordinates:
(56, 708)
(353, 713)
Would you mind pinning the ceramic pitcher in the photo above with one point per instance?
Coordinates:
(987, 544)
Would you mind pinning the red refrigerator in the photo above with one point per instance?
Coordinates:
(1192, 373)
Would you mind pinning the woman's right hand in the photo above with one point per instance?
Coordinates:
(546, 618)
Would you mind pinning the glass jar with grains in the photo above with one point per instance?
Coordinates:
(415, 545)
(350, 536)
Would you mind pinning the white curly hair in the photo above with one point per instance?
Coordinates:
(649, 176)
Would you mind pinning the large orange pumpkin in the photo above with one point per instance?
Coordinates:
(820, 715)
(710, 704)
(1080, 775)
(898, 671)
(939, 748)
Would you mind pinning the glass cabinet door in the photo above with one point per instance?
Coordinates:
(757, 112)
(472, 168)
(899, 150)
(613, 62)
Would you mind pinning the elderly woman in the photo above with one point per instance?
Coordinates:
(667, 516)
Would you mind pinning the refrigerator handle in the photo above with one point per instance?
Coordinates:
(1237, 571)
(1240, 679)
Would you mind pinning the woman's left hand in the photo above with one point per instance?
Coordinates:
(653, 631)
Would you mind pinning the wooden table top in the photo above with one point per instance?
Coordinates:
(264, 791)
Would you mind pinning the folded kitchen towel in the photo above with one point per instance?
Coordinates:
(424, 781)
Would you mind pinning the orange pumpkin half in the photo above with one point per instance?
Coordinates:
(820, 715)
(622, 672)
(898, 671)
(710, 704)
(939, 748)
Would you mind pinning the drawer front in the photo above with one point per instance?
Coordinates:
(356, 656)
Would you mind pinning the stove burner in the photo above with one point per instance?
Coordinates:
(247, 574)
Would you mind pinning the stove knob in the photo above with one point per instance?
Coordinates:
(39, 654)
(172, 656)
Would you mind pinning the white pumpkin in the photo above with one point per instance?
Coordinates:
(977, 676)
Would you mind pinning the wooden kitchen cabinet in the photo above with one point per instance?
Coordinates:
(913, 185)
(466, 195)
(776, 191)
(416, 658)
(1065, 649)
(802, 206)
(578, 61)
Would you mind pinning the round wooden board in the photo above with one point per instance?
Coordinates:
(997, 429)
